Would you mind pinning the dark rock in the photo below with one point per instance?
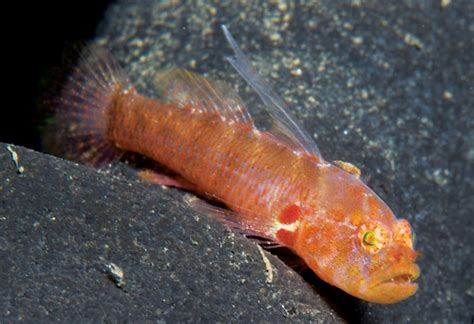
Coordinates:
(78, 244)
(385, 85)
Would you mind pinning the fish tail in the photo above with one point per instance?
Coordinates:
(78, 129)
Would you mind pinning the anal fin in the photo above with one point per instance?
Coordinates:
(164, 180)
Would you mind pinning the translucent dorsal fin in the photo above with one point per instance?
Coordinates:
(286, 126)
(192, 91)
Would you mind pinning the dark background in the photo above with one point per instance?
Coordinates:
(36, 47)
(416, 148)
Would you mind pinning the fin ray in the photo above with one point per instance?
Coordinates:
(231, 219)
(287, 127)
(79, 130)
(192, 91)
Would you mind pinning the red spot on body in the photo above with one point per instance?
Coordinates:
(290, 214)
(286, 237)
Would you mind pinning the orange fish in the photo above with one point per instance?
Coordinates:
(275, 183)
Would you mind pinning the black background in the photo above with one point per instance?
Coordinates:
(37, 38)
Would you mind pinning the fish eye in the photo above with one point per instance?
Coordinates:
(369, 238)
(373, 236)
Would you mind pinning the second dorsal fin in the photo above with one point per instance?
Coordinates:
(196, 92)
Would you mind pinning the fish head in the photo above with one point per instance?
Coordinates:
(386, 268)
(356, 243)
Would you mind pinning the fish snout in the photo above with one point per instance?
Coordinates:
(393, 284)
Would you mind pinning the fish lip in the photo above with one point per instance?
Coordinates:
(392, 284)
(403, 274)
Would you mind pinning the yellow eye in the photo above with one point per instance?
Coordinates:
(373, 236)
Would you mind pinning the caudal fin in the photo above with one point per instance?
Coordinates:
(79, 126)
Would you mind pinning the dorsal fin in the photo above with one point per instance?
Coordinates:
(192, 91)
(287, 128)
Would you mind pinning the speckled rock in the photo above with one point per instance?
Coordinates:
(82, 245)
(385, 85)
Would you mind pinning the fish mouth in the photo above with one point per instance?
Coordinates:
(397, 274)
(394, 284)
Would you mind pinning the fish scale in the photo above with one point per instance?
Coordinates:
(201, 166)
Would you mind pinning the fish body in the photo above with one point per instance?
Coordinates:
(275, 183)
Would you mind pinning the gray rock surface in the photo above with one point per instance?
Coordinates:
(65, 228)
(387, 86)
